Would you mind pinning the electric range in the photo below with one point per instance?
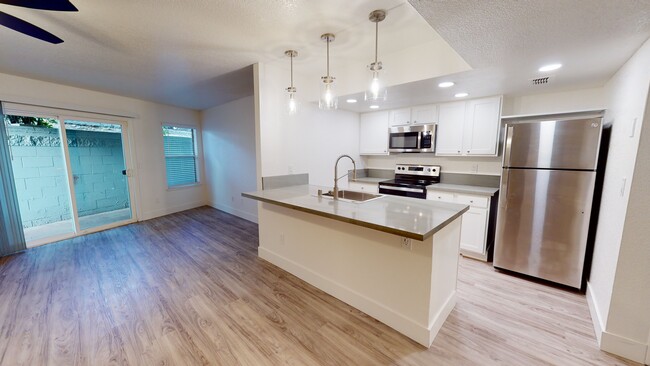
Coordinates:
(411, 180)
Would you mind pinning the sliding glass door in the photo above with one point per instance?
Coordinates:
(99, 173)
(71, 178)
(40, 176)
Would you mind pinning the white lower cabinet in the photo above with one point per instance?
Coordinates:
(364, 187)
(474, 229)
(473, 232)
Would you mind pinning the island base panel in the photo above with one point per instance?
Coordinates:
(413, 291)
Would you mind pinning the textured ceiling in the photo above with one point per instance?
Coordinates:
(195, 54)
(506, 41)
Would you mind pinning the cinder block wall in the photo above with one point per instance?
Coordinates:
(97, 162)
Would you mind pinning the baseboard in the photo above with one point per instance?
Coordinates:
(419, 333)
(624, 347)
(610, 342)
(596, 318)
(170, 210)
(474, 255)
(440, 318)
(233, 211)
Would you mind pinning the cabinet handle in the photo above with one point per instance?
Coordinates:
(459, 151)
(468, 151)
(415, 121)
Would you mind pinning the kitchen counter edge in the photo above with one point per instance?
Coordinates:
(387, 229)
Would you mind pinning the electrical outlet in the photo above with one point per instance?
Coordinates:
(406, 243)
(474, 168)
(290, 169)
(282, 238)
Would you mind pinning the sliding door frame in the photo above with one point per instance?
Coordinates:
(129, 160)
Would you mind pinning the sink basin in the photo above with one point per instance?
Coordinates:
(354, 196)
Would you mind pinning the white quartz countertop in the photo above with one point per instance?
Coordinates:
(459, 188)
(409, 217)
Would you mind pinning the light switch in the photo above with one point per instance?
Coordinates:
(623, 184)
(633, 131)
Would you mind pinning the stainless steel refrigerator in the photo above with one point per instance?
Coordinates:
(547, 189)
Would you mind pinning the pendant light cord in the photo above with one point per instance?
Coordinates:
(292, 71)
(328, 56)
(376, 41)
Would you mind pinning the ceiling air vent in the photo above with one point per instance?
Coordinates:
(540, 81)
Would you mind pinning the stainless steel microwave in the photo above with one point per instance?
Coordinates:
(412, 139)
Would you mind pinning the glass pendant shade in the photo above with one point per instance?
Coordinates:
(328, 98)
(292, 104)
(376, 91)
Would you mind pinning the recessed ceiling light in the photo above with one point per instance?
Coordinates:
(461, 95)
(446, 84)
(374, 106)
(351, 100)
(550, 67)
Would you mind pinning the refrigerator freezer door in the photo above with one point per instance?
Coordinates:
(543, 222)
(569, 144)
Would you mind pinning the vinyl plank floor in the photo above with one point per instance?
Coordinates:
(189, 289)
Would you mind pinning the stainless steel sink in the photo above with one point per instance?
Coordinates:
(354, 196)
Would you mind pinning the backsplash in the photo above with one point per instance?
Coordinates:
(466, 165)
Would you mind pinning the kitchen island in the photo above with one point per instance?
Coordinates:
(394, 258)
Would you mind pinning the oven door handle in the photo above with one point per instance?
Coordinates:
(403, 189)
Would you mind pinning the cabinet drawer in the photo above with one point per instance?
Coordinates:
(440, 196)
(364, 187)
(473, 201)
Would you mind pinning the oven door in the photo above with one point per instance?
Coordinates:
(414, 191)
(404, 141)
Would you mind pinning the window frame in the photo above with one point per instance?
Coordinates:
(196, 156)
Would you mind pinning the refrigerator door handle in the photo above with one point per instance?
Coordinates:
(505, 186)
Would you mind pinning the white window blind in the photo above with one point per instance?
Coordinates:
(180, 155)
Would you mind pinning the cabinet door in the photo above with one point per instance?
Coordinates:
(482, 124)
(474, 230)
(424, 114)
(400, 117)
(373, 133)
(451, 120)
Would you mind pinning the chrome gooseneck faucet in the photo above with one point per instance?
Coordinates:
(335, 192)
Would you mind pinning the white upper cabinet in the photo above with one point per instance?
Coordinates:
(469, 128)
(400, 117)
(373, 133)
(451, 123)
(424, 114)
(482, 126)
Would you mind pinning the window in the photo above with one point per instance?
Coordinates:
(180, 155)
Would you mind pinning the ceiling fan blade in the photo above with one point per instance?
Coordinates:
(29, 29)
(55, 5)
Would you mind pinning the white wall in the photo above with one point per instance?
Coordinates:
(307, 142)
(618, 283)
(154, 199)
(229, 153)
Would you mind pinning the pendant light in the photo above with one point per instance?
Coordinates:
(291, 102)
(376, 91)
(328, 99)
